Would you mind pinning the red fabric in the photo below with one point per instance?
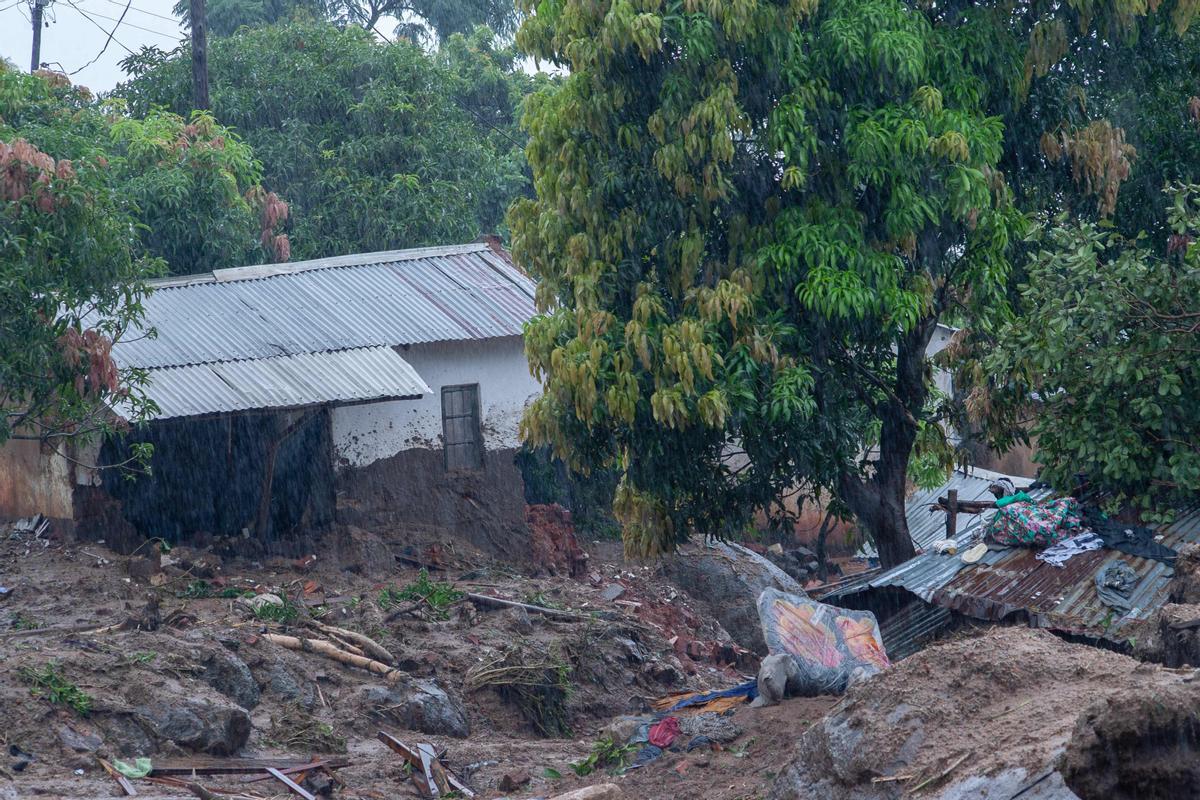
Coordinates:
(665, 732)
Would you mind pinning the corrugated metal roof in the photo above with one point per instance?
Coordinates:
(930, 571)
(1065, 599)
(370, 373)
(393, 298)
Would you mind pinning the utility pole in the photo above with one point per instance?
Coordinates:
(199, 56)
(35, 61)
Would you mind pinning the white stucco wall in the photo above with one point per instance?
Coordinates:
(366, 433)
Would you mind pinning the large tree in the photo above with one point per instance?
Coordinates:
(423, 21)
(1104, 358)
(192, 185)
(375, 146)
(72, 274)
(749, 219)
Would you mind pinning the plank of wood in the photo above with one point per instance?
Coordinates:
(327, 763)
(291, 784)
(121, 780)
(411, 756)
(233, 766)
(500, 602)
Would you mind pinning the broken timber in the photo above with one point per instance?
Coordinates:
(427, 768)
(291, 784)
(499, 602)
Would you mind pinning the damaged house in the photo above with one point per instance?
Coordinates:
(376, 390)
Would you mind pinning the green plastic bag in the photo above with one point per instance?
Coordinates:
(140, 767)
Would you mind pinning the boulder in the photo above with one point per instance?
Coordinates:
(778, 678)
(281, 682)
(78, 741)
(421, 705)
(230, 676)
(728, 578)
(199, 726)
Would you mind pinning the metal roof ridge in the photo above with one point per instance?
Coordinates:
(258, 271)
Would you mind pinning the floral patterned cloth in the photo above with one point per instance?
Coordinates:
(1036, 524)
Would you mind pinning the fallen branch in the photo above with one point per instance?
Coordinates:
(366, 643)
(552, 613)
(391, 674)
(68, 629)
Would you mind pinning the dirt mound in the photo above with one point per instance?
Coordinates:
(966, 718)
(1138, 744)
(206, 682)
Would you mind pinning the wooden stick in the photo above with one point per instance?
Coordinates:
(390, 674)
(126, 786)
(326, 764)
(369, 645)
(498, 602)
(291, 784)
(938, 778)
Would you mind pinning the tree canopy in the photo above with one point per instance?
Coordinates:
(1105, 357)
(72, 271)
(191, 184)
(374, 146)
(749, 219)
(419, 20)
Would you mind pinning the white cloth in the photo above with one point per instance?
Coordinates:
(1058, 554)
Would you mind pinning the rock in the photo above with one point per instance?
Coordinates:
(319, 784)
(778, 677)
(77, 741)
(512, 781)
(230, 676)
(141, 569)
(716, 727)
(612, 592)
(519, 621)
(259, 600)
(282, 682)
(624, 728)
(125, 737)
(422, 706)
(601, 791)
(728, 579)
(199, 726)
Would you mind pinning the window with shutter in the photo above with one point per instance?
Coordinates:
(460, 427)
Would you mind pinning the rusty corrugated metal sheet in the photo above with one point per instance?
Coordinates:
(395, 298)
(1011, 581)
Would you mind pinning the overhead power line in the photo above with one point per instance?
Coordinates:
(127, 24)
(108, 39)
(88, 17)
(141, 10)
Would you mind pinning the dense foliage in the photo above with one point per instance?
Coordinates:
(192, 185)
(1105, 358)
(420, 20)
(749, 219)
(71, 278)
(375, 146)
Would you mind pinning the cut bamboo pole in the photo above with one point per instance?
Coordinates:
(391, 674)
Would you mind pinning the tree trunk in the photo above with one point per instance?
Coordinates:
(878, 500)
(199, 24)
